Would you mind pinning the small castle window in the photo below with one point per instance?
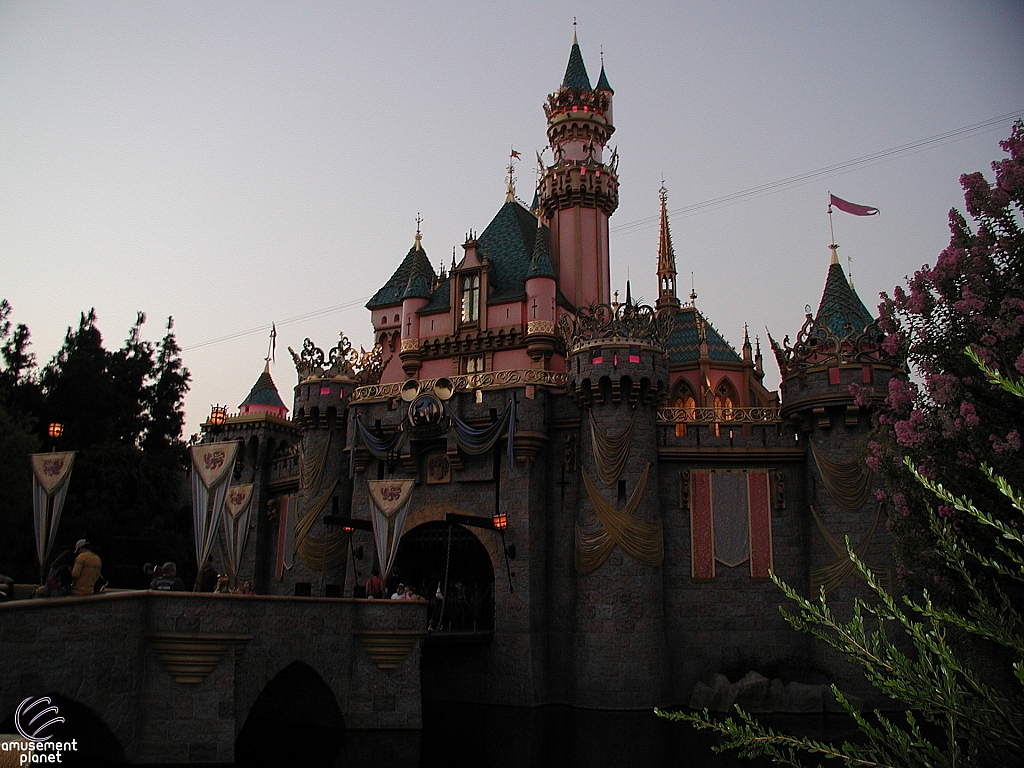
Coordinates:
(471, 298)
(474, 364)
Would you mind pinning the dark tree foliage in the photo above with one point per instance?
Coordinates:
(122, 412)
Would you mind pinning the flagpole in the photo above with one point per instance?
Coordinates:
(833, 247)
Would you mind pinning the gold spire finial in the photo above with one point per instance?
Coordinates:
(419, 235)
(574, 40)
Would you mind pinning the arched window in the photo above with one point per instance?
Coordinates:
(683, 398)
(725, 400)
(471, 298)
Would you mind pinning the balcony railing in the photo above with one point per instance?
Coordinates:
(719, 415)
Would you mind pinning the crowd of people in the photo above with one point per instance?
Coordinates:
(465, 609)
(78, 572)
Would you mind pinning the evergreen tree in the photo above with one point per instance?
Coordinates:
(20, 399)
(166, 396)
(122, 413)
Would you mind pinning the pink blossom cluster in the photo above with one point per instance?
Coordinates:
(1010, 444)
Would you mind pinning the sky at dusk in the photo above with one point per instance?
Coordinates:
(238, 164)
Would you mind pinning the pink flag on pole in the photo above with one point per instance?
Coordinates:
(856, 210)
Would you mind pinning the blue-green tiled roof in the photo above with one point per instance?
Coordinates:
(414, 265)
(684, 341)
(509, 242)
(602, 82)
(841, 309)
(264, 392)
(576, 72)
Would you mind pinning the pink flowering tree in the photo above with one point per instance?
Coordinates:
(948, 419)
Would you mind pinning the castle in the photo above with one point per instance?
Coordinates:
(596, 490)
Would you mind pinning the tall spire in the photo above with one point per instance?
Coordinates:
(602, 80)
(576, 71)
(666, 259)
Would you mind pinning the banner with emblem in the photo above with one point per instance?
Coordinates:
(51, 473)
(212, 464)
(389, 505)
(235, 527)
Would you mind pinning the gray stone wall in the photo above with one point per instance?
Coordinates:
(99, 651)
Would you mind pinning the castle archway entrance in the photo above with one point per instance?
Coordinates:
(429, 551)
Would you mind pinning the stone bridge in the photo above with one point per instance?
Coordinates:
(175, 675)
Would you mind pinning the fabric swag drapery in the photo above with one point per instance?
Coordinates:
(611, 451)
(311, 468)
(380, 447)
(476, 441)
(212, 465)
(832, 574)
(643, 540)
(51, 473)
(319, 553)
(389, 505)
(848, 482)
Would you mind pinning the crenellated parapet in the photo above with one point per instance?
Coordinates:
(616, 353)
(585, 183)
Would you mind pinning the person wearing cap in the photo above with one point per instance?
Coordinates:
(86, 571)
(168, 580)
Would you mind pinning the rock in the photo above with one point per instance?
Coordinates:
(751, 691)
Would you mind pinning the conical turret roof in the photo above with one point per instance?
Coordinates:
(841, 310)
(540, 263)
(576, 71)
(264, 392)
(602, 82)
(415, 271)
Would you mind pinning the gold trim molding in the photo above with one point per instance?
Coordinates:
(388, 649)
(540, 326)
(190, 657)
(486, 380)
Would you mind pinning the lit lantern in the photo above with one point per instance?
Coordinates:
(218, 415)
(55, 429)
(500, 521)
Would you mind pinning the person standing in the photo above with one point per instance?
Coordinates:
(375, 585)
(86, 571)
(168, 580)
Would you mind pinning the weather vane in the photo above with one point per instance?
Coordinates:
(512, 157)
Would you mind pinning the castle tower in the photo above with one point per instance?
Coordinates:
(541, 293)
(831, 377)
(666, 258)
(618, 375)
(263, 430)
(580, 191)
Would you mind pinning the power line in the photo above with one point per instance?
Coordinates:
(701, 207)
(289, 321)
(811, 176)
